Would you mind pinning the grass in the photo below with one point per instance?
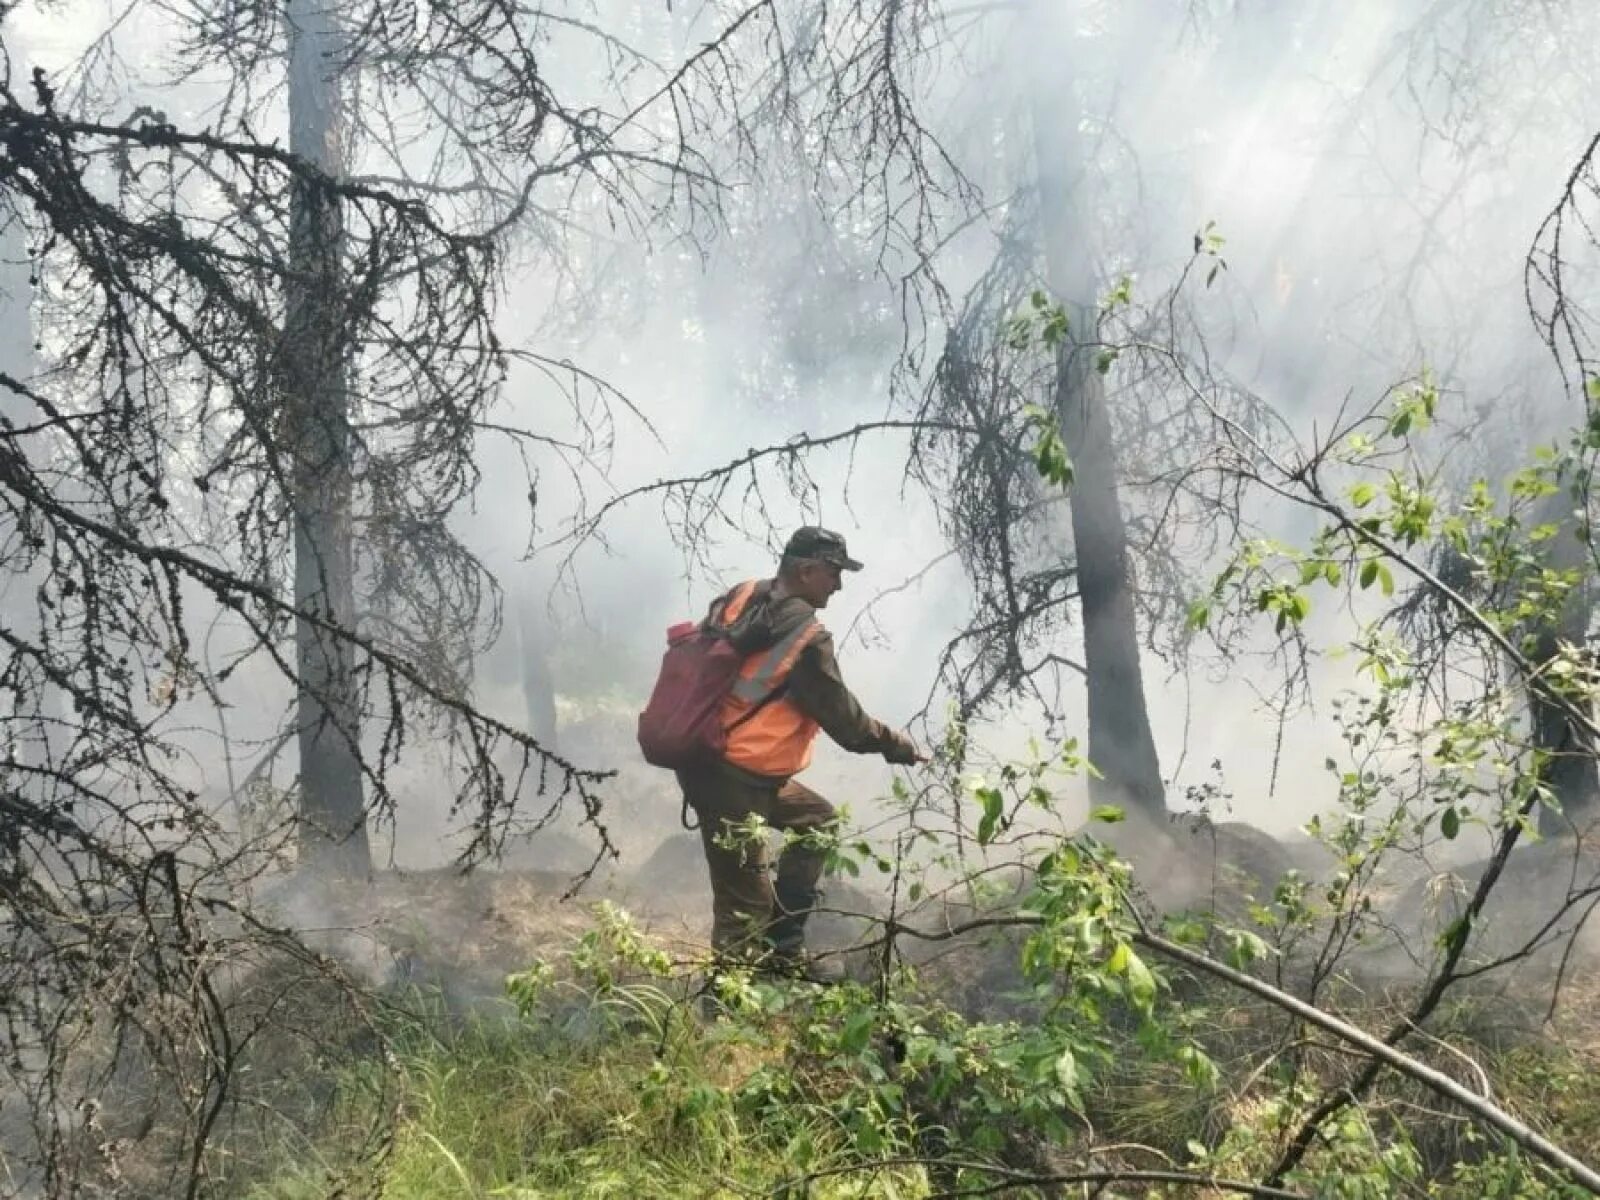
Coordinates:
(504, 1108)
(619, 1093)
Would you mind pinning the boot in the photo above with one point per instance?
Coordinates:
(802, 964)
(794, 902)
(786, 936)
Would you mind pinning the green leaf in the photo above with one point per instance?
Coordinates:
(1244, 948)
(1456, 934)
(993, 805)
(1118, 962)
(1188, 931)
(857, 1031)
(1362, 494)
(1067, 1070)
(1450, 823)
(1109, 813)
(1369, 572)
(1197, 1065)
(1050, 456)
(1141, 984)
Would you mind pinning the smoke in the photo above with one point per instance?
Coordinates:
(1377, 169)
(1372, 172)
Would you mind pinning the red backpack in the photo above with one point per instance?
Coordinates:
(681, 727)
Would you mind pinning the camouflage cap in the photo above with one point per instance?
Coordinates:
(821, 545)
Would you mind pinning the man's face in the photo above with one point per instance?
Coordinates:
(818, 581)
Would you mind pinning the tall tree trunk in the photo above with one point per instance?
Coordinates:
(16, 316)
(333, 829)
(1571, 772)
(22, 734)
(1121, 744)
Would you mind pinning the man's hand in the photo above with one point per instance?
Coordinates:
(901, 750)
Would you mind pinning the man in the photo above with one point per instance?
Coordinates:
(789, 688)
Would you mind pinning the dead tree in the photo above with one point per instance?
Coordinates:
(1121, 743)
(1558, 271)
(315, 364)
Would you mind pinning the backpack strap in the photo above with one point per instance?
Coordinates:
(732, 607)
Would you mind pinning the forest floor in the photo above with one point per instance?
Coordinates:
(485, 1103)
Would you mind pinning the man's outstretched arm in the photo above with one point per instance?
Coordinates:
(818, 688)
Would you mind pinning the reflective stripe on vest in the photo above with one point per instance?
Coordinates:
(776, 739)
(768, 669)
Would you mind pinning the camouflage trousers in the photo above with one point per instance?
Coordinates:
(753, 912)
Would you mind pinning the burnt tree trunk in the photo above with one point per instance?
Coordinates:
(333, 828)
(22, 732)
(1121, 744)
(16, 317)
(1571, 770)
(37, 718)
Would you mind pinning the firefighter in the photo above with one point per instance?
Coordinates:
(789, 688)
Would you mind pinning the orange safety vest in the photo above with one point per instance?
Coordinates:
(777, 739)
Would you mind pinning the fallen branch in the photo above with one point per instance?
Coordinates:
(1490, 1114)
(1376, 1048)
(1011, 1179)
